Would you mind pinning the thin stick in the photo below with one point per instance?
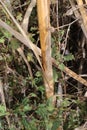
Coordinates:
(24, 25)
(19, 6)
(86, 1)
(25, 59)
(3, 101)
(27, 15)
(83, 13)
(77, 15)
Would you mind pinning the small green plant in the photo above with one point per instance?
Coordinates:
(3, 111)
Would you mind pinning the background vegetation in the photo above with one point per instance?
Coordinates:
(23, 101)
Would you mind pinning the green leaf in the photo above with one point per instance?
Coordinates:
(1, 126)
(41, 89)
(42, 110)
(50, 108)
(55, 75)
(1, 58)
(68, 57)
(25, 101)
(19, 16)
(33, 95)
(38, 74)
(12, 128)
(7, 34)
(56, 124)
(49, 125)
(2, 40)
(2, 110)
(30, 57)
(33, 28)
(61, 66)
(25, 123)
(66, 103)
(14, 44)
(61, 34)
(27, 108)
(32, 124)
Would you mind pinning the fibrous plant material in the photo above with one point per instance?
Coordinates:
(25, 22)
(45, 41)
(77, 15)
(83, 13)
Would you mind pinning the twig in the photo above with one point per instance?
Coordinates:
(71, 73)
(65, 44)
(77, 15)
(83, 75)
(83, 13)
(57, 13)
(27, 15)
(52, 29)
(71, 10)
(24, 25)
(24, 58)
(57, 19)
(3, 102)
(69, 24)
(19, 6)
